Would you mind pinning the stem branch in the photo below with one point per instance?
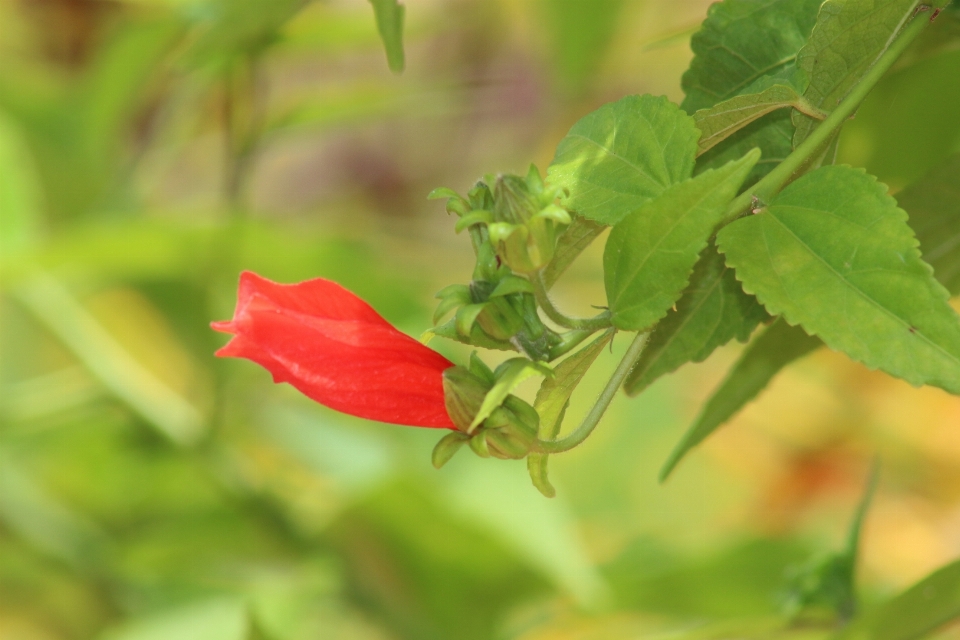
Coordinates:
(606, 396)
(601, 321)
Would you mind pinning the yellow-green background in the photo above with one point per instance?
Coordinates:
(149, 491)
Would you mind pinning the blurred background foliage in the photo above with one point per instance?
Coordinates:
(152, 149)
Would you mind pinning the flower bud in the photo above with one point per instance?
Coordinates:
(463, 394)
(512, 201)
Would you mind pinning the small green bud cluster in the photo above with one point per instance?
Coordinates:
(508, 433)
(514, 226)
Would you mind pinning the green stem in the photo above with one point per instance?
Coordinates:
(606, 396)
(787, 170)
(570, 341)
(601, 321)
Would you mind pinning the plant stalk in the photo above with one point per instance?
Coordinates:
(600, 407)
(601, 321)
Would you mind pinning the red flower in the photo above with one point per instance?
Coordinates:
(336, 349)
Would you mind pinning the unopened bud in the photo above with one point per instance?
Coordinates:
(512, 200)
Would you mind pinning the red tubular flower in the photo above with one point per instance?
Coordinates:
(336, 349)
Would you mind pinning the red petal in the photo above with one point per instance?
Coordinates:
(343, 354)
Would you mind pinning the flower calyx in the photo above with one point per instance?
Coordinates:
(506, 430)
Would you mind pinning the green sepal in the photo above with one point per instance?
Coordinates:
(472, 218)
(466, 317)
(505, 445)
(451, 297)
(480, 369)
(463, 395)
(555, 213)
(537, 467)
(499, 319)
(448, 447)
(534, 180)
(476, 338)
(512, 284)
(479, 445)
(509, 375)
(443, 192)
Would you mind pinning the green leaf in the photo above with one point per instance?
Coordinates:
(623, 154)
(725, 118)
(650, 254)
(916, 612)
(570, 244)
(219, 619)
(742, 43)
(552, 401)
(712, 311)
(779, 345)
(509, 376)
(848, 38)
(390, 14)
(933, 204)
(833, 253)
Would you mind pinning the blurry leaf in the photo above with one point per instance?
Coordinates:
(623, 154)
(740, 43)
(650, 253)
(106, 359)
(230, 28)
(828, 585)
(848, 38)
(509, 375)
(423, 571)
(899, 133)
(552, 401)
(220, 619)
(779, 345)
(712, 311)
(571, 243)
(545, 534)
(723, 119)
(355, 460)
(79, 134)
(389, 15)
(915, 613)
(43, 522)
(834, 253)
(20, 196)
(115, 87)
(736, 582)
(933, 205)
(581, 34)
(45, 395)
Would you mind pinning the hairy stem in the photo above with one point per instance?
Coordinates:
(599, 408)
(601, 321)
(787, 170)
